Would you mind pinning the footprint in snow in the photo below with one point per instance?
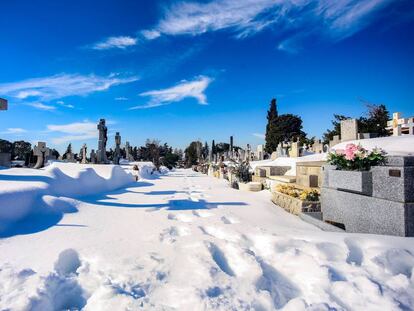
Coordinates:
(180, 217)
(229, 220)
(171, 234)
(202, 214)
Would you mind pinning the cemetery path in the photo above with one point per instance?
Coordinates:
(186, 241)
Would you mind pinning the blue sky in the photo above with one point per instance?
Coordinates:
(185, 70)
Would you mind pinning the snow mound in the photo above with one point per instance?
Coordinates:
(25, 192)
(393, 145)
(146, 169)
(286, 161)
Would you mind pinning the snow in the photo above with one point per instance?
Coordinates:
(186, 241)
(393, 145)
(286, 161)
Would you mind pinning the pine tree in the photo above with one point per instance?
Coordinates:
(271, 127)
(68, 150)
(376, 122)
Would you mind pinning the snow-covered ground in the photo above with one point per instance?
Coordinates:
(186, 241)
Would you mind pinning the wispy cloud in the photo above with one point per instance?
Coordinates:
(61, 85)
(150, 34)
(185, 89)
(121, 98)
(77, 131)
(121, 42)
(63, 104)
(335, 19)
(259, 135)
(41, 106)
(14, 130)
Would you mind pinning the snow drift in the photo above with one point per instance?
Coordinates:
(25, 192)
(392, 145)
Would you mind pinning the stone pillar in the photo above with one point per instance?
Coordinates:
(117, 153)
(93, 156)
(41, 151)
(103, 138)
(231, 147)
(83, 154)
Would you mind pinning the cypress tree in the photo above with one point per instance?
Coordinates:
(271, 127)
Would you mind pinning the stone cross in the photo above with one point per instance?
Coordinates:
(41, 151)
(349, 129)
(399, 125)
(83, 153)
(117, 153)
(103, 138)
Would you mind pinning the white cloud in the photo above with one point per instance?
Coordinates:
(62, 103)
(78, 131)
(41, 106)
(337, 19)
(14, 130)
(259, 135)
(121, 98)
(185, 89)
(61, 85)
(121, 42)
(150, 34)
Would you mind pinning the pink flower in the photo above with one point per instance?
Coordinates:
(350, 151)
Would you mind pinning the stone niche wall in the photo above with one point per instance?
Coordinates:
(309, 174)
(380, 201)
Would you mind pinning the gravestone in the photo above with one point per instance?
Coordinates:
(41, 151)
(70, 157)
(117, 152)
(103, 138)
(260, 152)
(242, 154)
(334, 141)
(410, 125)
(128, 150)
(279, 151)
(294, 151)
(248, 153)
(349, 129)
(83, 153)
(317, 146)
(273, 156)
(93, 156)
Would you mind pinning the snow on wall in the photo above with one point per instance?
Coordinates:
(27, 191)
(393, 145)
